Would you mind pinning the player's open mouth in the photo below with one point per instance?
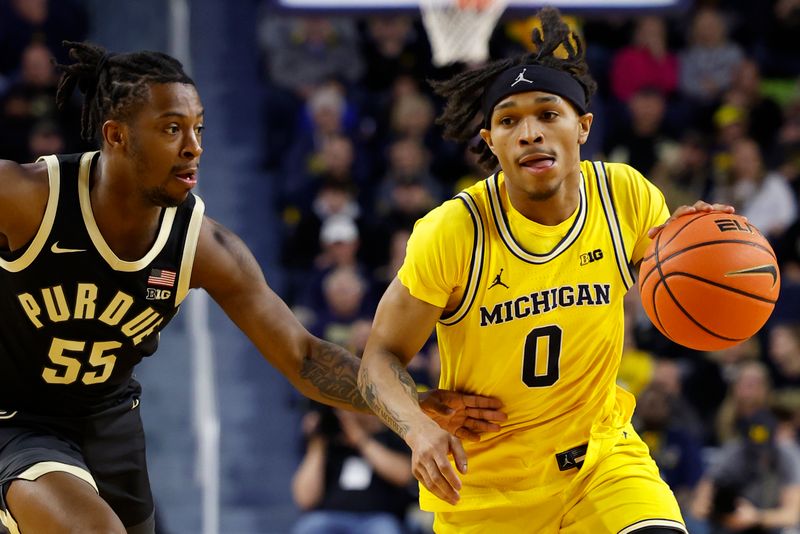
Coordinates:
(189, 178)
(537, 162)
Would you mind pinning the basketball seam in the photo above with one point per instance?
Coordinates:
(722, 286)
(719, 242)
(687, 314)
(678, 231)
(700, 245)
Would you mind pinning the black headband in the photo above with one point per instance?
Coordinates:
(524, 78)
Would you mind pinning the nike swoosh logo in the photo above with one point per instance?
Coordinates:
(7, 415)
(761, 269)
(55, 249)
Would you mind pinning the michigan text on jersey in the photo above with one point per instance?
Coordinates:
(545, 301)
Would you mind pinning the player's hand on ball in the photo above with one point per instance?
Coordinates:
(680, 211)
(465, 416)
(430, 450)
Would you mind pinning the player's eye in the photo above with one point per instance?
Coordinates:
(172, 129)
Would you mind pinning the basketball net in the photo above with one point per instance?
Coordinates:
(459, 30)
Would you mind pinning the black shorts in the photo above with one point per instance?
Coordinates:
(107, 448)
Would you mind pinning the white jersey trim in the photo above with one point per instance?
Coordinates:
(189, 250)
(97, 238)
(37, 244)
(503, 228)
(42, 468)
(476, 264)
(654, 523)
(614, 228)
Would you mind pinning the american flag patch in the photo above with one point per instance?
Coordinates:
(161, 277)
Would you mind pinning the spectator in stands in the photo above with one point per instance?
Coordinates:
(25, 22)
(708, 63)
(676, 451)
(409, 165)
(685, 172)
(642, 141)
(753, 484)
(646, 63)
(301, 55)
(45, 138)
(764, 115)
(668, 376)
(30, 99)
(392, 46)
(345, 300)
(748, 393)
(302, 245)
(354, 476)
(784, 354)
(304, 52)
(763, 196)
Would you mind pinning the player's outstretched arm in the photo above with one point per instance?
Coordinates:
(402, 325)
(226, 268)
(323, 371)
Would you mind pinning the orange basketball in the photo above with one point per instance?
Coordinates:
(709, 280)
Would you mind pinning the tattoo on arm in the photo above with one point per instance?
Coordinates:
(389, 416)
(333, 371)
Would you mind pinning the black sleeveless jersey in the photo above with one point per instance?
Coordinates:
(74, 318)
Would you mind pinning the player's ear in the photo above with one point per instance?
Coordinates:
(114, 133)
(486, 135)
(584, 126)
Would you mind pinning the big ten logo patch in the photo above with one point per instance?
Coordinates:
(592, 256)
(154, 293)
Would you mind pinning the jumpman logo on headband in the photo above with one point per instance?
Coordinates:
(521, 78)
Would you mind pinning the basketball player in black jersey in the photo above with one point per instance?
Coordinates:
(97, 251)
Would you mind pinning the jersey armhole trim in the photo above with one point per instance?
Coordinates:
(42, 468)
(645, 523)
(476, 264)
(54, 180)
(607, 200)
(189, 250)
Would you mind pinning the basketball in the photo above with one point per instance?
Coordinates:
(709, 281)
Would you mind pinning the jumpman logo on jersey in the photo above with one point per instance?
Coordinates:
(497, 281)
(521, 78)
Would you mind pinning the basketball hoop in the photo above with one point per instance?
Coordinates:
(459, 30)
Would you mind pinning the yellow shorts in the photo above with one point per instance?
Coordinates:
(622, 494)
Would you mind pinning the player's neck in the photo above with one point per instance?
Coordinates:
(126, 220)
(549, 211)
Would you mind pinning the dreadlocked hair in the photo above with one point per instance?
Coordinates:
(464, 92)
(113, 85)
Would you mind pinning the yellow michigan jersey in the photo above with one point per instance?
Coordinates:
(533, 316)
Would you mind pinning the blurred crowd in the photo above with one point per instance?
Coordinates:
(704, 103)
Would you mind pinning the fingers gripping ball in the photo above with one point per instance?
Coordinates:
(709, 280)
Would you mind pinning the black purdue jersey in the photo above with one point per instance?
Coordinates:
(74, 318)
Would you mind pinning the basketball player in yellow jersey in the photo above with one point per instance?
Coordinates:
(523, 275)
